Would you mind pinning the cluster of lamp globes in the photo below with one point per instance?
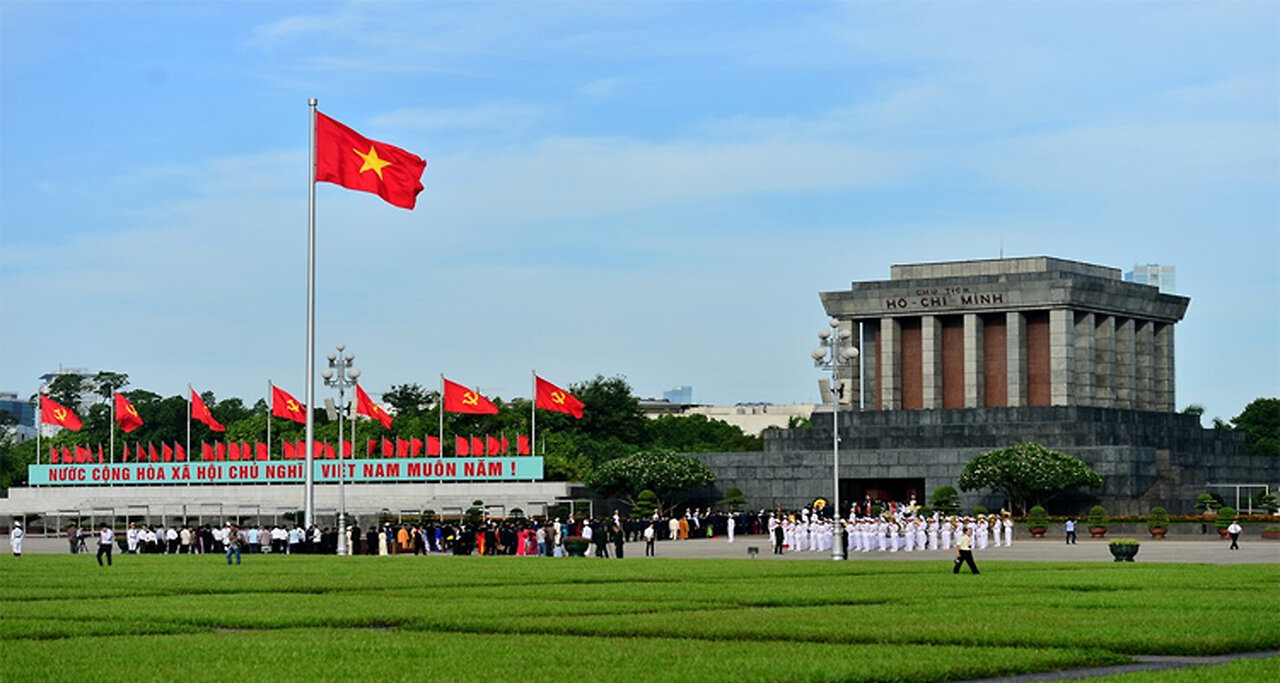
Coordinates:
(842, 351)
(347, 359)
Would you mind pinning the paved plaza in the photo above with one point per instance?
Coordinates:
(1205, 551)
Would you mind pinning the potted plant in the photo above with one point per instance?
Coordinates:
(1037, 521)
(1124, 549)
(1098, 521)
(1158, 522)
(1271, 533)
(576, 546)
(1226, 515)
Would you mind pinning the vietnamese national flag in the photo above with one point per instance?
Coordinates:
(522, 444)
(206, 452)
(459, 399)
(125, 457)
(415, 446)
(347, 449)
(200, 412)
(477, 446)
(388, 449)
(286, 406)
(263, 452)
(82, 454)
(491, 445)
(220, 451)
(66, 455)
(53, 413)
(155, 456)
(329, 453)
(366, 406)
(552, 397)
(433, 445)
(349, 159)
(233, 451)
(506, 445)
(461, 446)
(100, 458)
(402, 448)
(53, 455)
(166, 452)
(290, 453)
(179, 453)
(373, 443)
(126, 415)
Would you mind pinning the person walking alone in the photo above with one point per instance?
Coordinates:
(1234, 532)
(1070, 526)
(106, 539)
(964, 552)
(649, 535)
(233, 543)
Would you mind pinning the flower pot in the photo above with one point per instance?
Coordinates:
(1038, 531)
(1123, 553)
(1158, 531)
(576, 547)
(1222, 533)
(1271, 535)
(1098, 531)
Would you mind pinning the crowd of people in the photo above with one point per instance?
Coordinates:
(894, 528)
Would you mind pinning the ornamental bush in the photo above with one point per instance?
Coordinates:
(945, 499)
(1098, 517)
(1226, 516)
(1158, 519)
(1038, 517)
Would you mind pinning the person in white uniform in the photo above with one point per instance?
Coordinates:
(16, 536)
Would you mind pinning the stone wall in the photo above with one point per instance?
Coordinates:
(1145, 458)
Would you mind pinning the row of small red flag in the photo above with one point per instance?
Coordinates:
(400, 448)
(457, 399)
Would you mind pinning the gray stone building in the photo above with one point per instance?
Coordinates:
(961, 358)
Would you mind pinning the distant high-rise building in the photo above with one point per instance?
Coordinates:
(682, 395)
(1155, 275)
(24, 411)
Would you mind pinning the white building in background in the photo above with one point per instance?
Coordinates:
(1154, 274)
(682, 395)
(751, 418)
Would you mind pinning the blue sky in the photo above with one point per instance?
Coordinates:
(652, 189)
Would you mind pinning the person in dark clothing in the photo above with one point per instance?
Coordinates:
(618, 539)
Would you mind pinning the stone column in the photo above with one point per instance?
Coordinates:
(890, 364)
(1062, 357)
(1085, 353)
(1016, 358)
(974, 391)
(870, 363)
(850, 374)
(1162, 369)
(1104, 361)
(1124, 363)
(931, 361)
(1143, 352)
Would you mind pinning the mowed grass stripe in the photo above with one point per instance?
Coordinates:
(1066, 614)
(380, 655)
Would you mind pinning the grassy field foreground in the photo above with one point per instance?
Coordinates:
(531, 619)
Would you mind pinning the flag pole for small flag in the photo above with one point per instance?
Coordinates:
(309, 497)
(189, 390)
(112, 427)
(269, 420)
(533, 412)
(39, 424)
(442, 415)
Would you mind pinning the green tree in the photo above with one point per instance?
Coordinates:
(734, 499)
(661, 471)
(410, 399)
(67, 390)
(106, 383)
(1260, 421)
(1027, 473)
(699, 434)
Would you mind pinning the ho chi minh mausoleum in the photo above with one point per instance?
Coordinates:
(960, 358)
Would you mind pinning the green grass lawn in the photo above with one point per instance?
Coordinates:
(533, 619)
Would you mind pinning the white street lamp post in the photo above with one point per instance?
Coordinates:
(835, 353)
(341, 375)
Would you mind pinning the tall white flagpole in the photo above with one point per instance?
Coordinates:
(270, 399)
(112, 427)
(442, 416)
(309, 503)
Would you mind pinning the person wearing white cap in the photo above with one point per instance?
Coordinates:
(16, 534)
